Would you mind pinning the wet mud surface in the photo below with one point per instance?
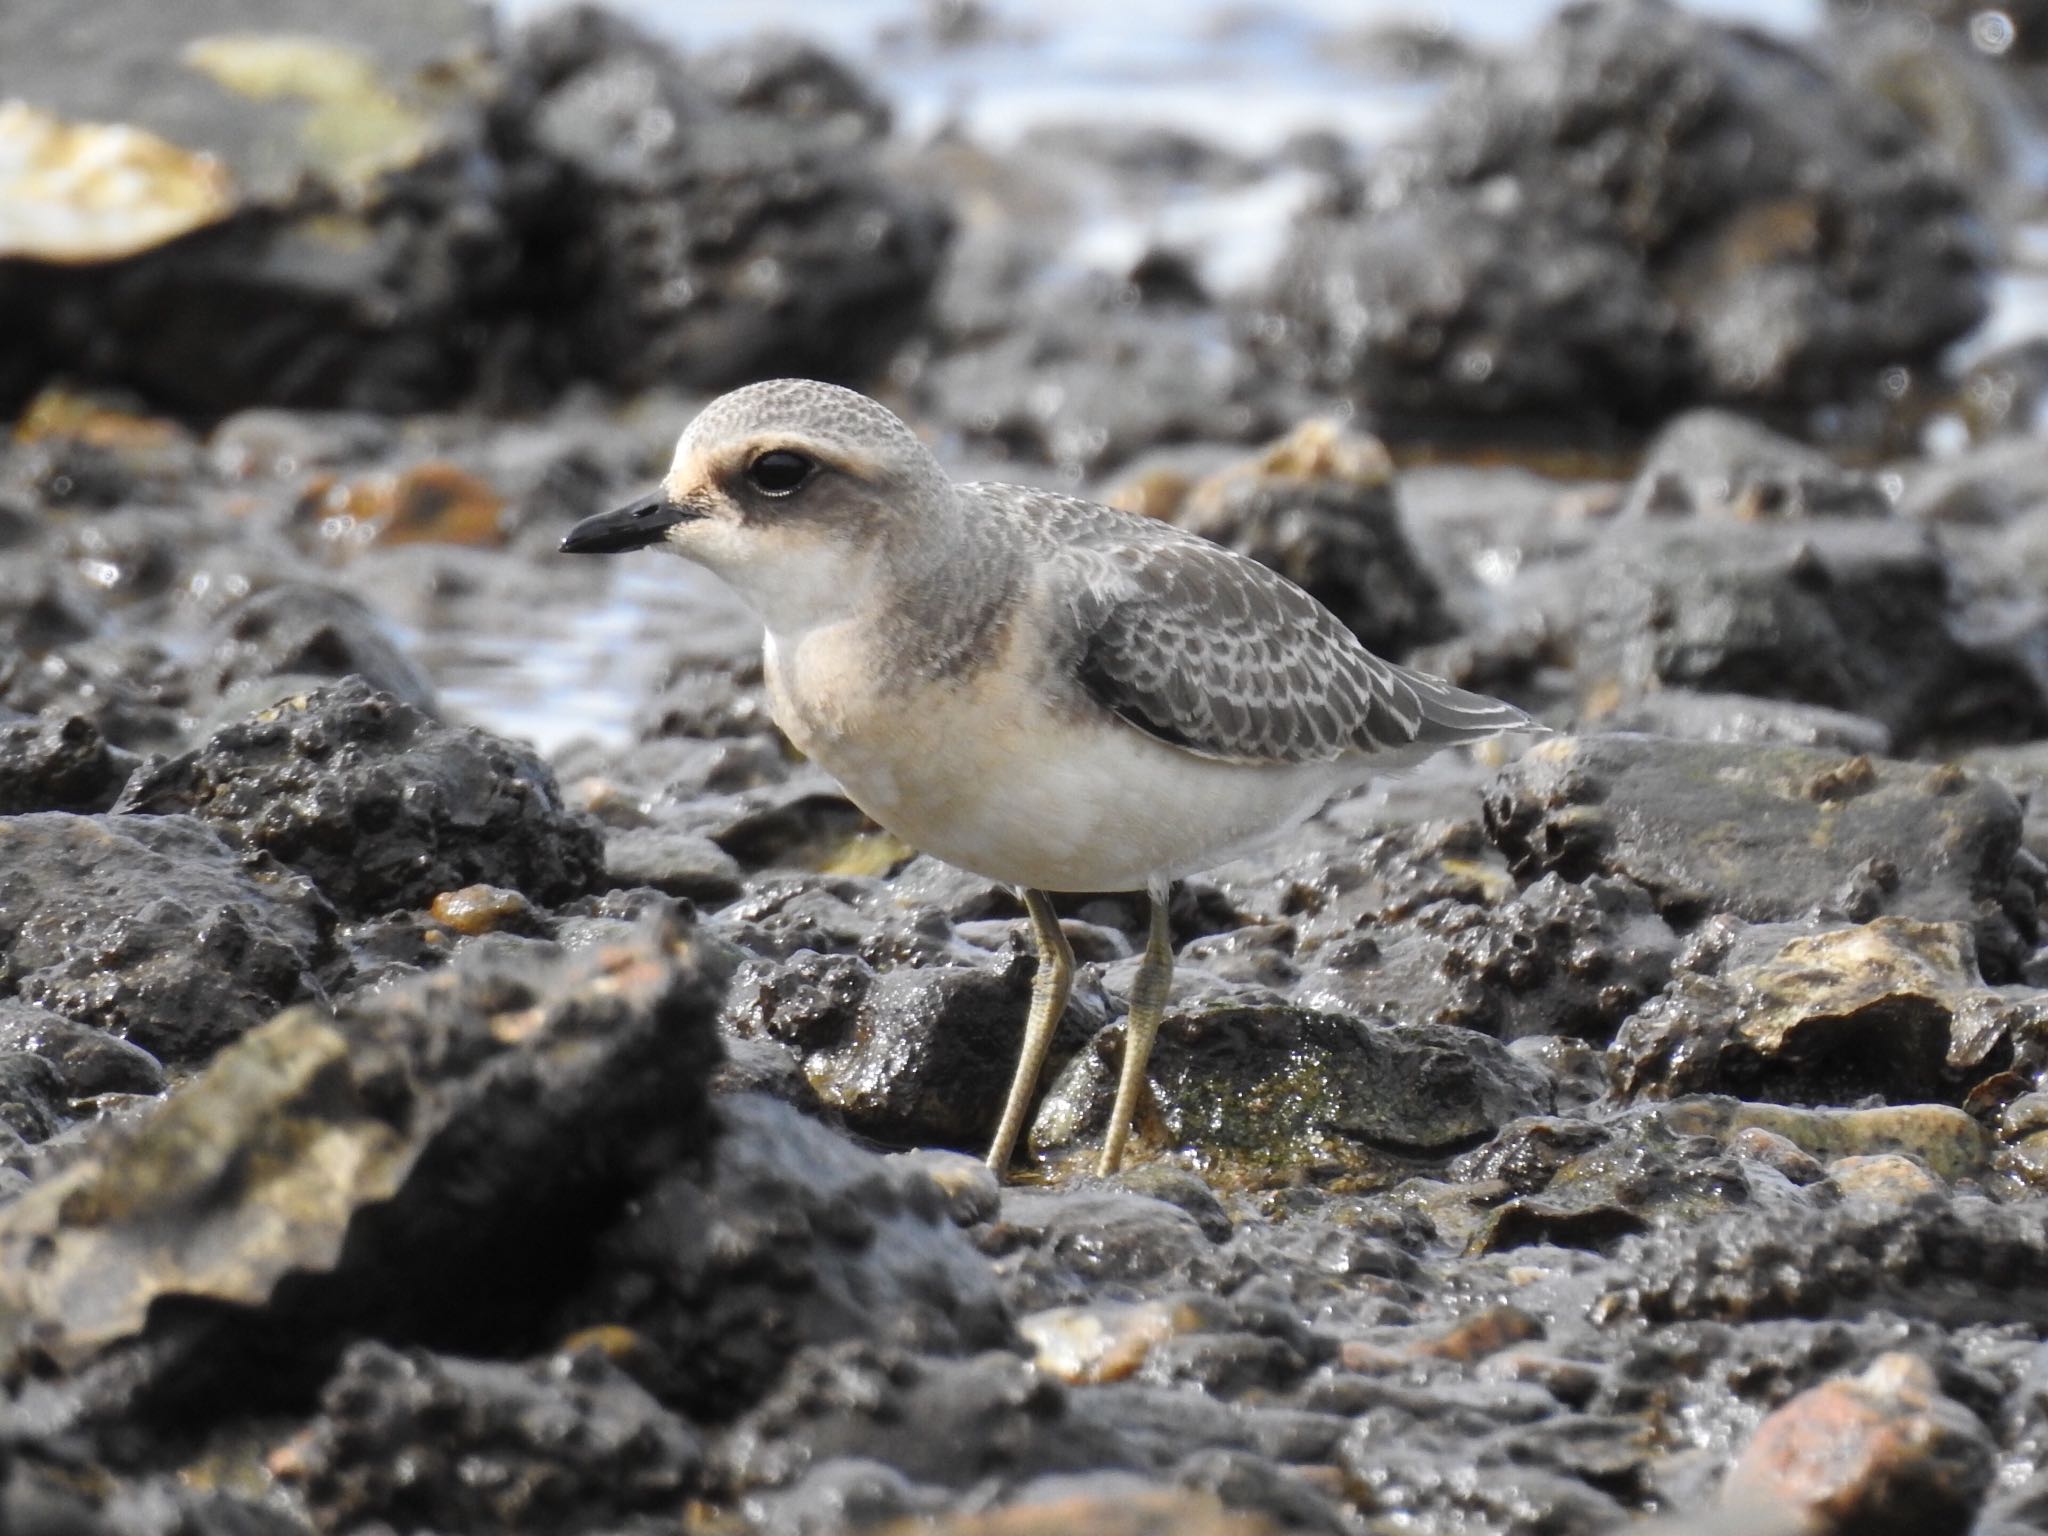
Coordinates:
(461, 1070)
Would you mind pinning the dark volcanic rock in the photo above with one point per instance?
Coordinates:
(1258, 1092)
(380, 805)
(951, 1423)
(423, 1442)
(1717, 464)
(1459, 300)
(1771, 833)
(430, 1164)
(300, 630)
(59, 765)
(1848, 614)
(1953, 1261)
(791, 1238)
(1788, 1012)
(88, 1061)
(690, 240)
(1643, 207)
(1556, 959)
(337, 246)
(1085, 379)
(378, 207)
(1318, 507)
(152, 928)
(906, 1056)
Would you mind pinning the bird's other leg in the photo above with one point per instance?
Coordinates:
(1048, 1001)
(1141, 1027)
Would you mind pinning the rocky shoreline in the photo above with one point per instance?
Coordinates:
(405, 1127)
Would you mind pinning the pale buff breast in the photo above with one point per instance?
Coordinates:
(989, 775)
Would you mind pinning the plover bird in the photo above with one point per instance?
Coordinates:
(1040, 690)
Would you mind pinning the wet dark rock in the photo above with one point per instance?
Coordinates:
(1318, 506)
(695, 241)
(905, 1056)
(1717, 464)
(1847, 614)
(1085, 379)
(332, 268)
(1054, 1248)
(305, 632)
(579, 203)
(59, 765)
(792, 80)
(1257, 1092)
(423, 1442)
(1555, 959)
(373, 1173)
(1748, 249)
(380, 805)
(135, 694)
(674, 863)
(949, 1423)
(838, 1492)
(153, 929)
(792, 1237)
(88, 1061)
(1773, 833)
(1953, 1261)
(1457, 300)
(32, 1096)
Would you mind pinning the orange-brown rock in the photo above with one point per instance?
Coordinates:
(1883, 1453)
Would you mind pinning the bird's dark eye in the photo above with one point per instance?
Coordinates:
(778, 472)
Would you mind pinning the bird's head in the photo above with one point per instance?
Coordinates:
(781, 488)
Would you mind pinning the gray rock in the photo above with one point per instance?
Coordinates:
(1852, 615)
(381, 806)
(152, 928)
(1532, 250)
(1256, 1091)
(1691, 715)
(328, 267)
(674, 863)
(699, 241)
(421, 1441)
(305, 631)
(88, 1061)
(904, 1056)
(1717, 464)
(59, 765)
(791, 1237)
(1773, 833)
(378, 1172)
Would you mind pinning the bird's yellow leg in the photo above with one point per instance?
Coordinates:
(1049, 991)
(1149, 991)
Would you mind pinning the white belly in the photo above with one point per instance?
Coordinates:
(986, 776)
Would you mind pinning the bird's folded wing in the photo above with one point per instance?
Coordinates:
(1214, 653)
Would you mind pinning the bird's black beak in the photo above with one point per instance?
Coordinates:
(642, 523)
